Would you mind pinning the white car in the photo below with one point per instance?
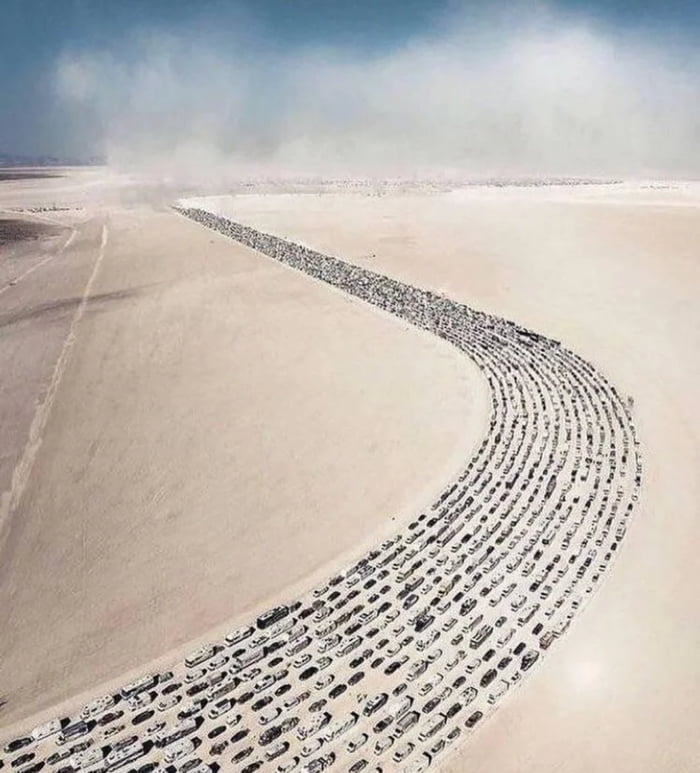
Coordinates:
(270, 715)
(500, 690)
(311, 747)
(167, 703)
(357, 743)
(471, 667)
(403, 752)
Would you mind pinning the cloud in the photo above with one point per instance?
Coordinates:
(533, 91)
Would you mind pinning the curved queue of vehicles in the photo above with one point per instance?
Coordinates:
(393, 662)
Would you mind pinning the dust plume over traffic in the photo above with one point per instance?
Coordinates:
(530, 89)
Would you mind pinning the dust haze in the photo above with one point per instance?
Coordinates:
(529, 91)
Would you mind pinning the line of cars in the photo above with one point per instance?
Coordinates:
(394, 661)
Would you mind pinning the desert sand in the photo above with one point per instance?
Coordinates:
(146, 448)
(614, 273)
(220, 430)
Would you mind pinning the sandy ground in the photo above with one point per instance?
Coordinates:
(148, 429)
(219, 429)
(614, 273)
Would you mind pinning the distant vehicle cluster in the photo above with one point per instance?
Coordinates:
(394, 661)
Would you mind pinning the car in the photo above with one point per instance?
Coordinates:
(218, 748)
(23, 759)
(383, 744)
(260, 704)
(504, 662)
(474, 718)
(356, 743)
(501, 620)
(17, 744)
(471, 667)
(216, 731)
(240, 735)
(519, 648)
(356, 677)
(297, 700)
(537, 629)
(394, 666)
(311, 747)
(167, 703)
(356, 767)
(318, 705)
(113, 730)
(253, 766)
(488, 677)
(337, 691)
(500, 690)
(287, 767)
(489, 654)
(270, 715)
(110, 716)
(58, 756)
(142, 716)
(403, 752)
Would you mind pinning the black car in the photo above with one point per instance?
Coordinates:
(260, 704)
(214, 732)
(283, 688)
(240, 735)
(306, 612)
(242, 754)
(454, 709)
(142, 716)
(36, 767)
(458, 682)
(23, 759)
(504, 662)
(166, 690)
(356, 662)
(16, 744)
(252, 767)
(382, 643)
(488, 677)
(197, 688)
(308, 673)
(58, 756)
(148, 767)
(400, 688)
(246, 697)
(356, 767)
(350, 630)
(393, 667)
(275, 661)
(519, 648)
(338, 690)
(489, 654)
(474, 718)
(383, 724)
(110, 716)
(431, 705)
(356, 677)
(537, 629)
(218, 748)
(318, 705)
(377, 662)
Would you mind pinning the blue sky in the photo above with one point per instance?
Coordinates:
(40, 38)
